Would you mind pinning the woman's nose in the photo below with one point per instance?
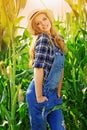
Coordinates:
(43, 23)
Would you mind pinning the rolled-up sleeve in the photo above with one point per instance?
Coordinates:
(41, 50)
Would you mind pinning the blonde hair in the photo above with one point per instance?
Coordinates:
(58, 40)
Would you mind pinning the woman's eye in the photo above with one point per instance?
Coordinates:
(37, 24)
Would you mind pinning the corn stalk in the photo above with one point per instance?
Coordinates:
(9, 10)
(79, 12)
(77, 18)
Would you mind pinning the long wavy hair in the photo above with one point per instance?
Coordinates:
(58, 40)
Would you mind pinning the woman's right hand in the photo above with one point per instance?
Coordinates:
(42, 99)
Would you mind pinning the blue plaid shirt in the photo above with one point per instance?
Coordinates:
(44, 53)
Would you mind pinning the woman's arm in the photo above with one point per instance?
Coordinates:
(38, 77)
(41, 51)
(60, 85)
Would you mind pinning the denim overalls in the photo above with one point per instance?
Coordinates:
(40, 113)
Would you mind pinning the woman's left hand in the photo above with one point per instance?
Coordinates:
(59, 95)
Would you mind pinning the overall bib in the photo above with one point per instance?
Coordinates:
(41, 113)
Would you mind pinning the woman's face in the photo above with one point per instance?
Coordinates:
(42, 23)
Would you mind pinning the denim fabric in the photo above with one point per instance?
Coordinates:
(40, 113)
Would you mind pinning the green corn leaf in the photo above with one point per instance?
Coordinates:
(3, 108)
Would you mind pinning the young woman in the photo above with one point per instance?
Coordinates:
(47, 56)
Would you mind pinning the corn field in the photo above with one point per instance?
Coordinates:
(15, 73)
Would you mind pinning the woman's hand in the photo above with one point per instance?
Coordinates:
(59, 95)
(42, 99)
(60, 85)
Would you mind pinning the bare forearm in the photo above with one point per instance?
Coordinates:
(38, 77)
(60, 84)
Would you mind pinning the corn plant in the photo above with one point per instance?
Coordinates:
(78, 17)
(75, 81)
(9, 24)
(73, 28)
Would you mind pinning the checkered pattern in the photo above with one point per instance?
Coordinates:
(44, 53)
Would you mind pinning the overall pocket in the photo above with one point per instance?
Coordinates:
(42, 103)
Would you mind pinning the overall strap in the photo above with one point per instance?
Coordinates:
(55, 72)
